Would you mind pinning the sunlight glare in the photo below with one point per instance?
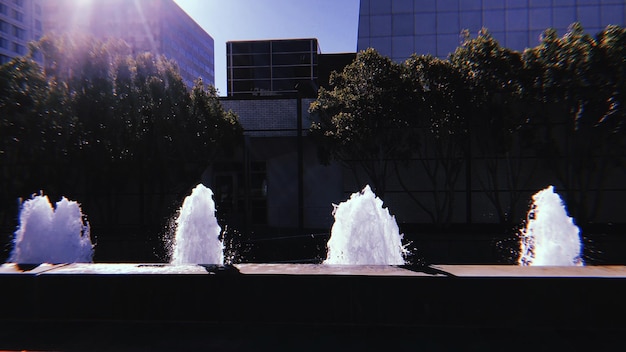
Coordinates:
(84, 3)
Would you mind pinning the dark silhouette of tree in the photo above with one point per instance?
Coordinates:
(94, 123)
(497, 120)
(579, 89)
(439, 127)
(502, 114)
(363, 118)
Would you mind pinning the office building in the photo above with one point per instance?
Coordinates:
(399, 28)
(20, 23)
(156, 26)
(270, 67)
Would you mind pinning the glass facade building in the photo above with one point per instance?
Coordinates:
(20, 23)
(270, 67)
(157, 26)
(399, 28)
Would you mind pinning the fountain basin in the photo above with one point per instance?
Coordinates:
(69, 306)
(309, 294)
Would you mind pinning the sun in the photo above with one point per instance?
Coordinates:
(80, 14)
(83, 3)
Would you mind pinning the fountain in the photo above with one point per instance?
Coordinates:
(550, 236)
(364, 233)
(48, 234)
(116, 299)
(197, 239)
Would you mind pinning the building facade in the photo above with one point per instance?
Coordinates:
(270, 67)
(156, 26)
(399, 28)
(279, 181)
(20, 23)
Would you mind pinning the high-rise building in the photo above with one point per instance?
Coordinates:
(270, 67)
(20, 23)
(157, 26)
(399, 28)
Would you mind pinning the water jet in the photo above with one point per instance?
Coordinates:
(48, 234)
(364, 233)
(550, 236)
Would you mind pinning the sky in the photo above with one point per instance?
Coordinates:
(333, 22)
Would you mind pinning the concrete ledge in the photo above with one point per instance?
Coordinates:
(503, 271)
(466, 271)
(318, 295)
(287, 307)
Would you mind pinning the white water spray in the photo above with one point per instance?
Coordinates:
(550, 236)
(364, 233)
(197, 231)
(49, 234)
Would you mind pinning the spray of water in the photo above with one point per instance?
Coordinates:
(364, 233)
(550, 236)
(197, 239)
(48, 234)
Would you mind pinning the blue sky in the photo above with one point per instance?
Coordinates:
(333, 22)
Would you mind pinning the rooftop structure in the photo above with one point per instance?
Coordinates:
(270, 67)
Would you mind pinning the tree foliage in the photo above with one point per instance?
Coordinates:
(579, 87)
(363, 119)
(497, 117)
(93, 120)
(440, 130)
(485, 107)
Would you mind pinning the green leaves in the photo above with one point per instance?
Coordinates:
(563, 100)
(361, 118)
(216, 128)
(95, 107)
(364, 107)
(114, 106)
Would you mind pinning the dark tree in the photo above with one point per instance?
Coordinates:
(579, 87)
(439, 128)
(497, 121)
(363, 118)
(97, 125)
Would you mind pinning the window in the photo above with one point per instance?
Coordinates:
(285, 85)
(4, 9)
(251, 73)
(38, 9)
(251, 86)
(291, 59)
(251, 60)
(292, 72)
(4, 43)
(4, 26)
(288, 46)
(4, 59)
(19, 49)
(18, 16)
(19, 32)
(19, 3)
(249, 47)
(38, 25)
